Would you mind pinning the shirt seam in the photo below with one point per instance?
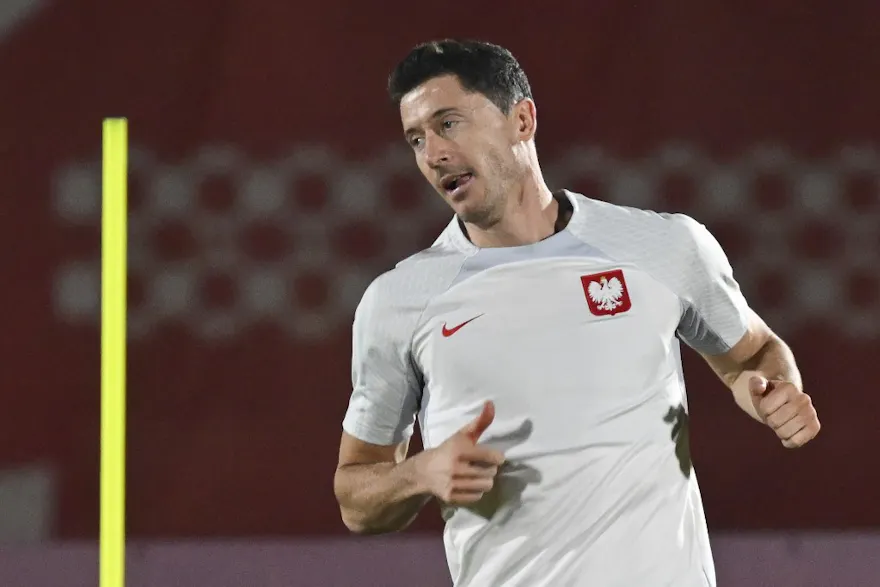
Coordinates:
(418, 323)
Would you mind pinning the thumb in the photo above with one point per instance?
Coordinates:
(757, 386)
(479, 424)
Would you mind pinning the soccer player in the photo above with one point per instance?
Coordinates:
(537, 342)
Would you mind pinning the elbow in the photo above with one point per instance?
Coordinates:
(359, 525)
(363, 517)
(353, 518)
(355, 523)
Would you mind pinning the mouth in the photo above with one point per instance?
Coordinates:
(455, 185)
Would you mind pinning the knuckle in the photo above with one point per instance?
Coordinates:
(794, 442)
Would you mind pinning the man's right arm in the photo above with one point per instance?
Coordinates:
(374, 483)
(377, 487)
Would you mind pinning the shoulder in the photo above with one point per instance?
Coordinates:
(639, 232)
(403, 292)
(674, 248)
(600, 216)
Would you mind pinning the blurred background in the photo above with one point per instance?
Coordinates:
(269, 183)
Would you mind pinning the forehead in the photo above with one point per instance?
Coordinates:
(436, 95)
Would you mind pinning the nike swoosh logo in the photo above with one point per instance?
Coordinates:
(447, 332)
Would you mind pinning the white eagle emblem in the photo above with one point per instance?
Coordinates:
(606, 293)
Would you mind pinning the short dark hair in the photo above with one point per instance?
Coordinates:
(479, 66)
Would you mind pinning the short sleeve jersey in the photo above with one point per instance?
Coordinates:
(576, 340)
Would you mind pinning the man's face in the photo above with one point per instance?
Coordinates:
(464, 146)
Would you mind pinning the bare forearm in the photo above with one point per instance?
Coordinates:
(379, 498)
(774, 361)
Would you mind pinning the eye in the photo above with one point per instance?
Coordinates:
(447, 124)
(415, 142)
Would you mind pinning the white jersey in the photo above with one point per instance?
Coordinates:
(575, 339)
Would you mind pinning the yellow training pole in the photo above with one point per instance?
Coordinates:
(114, 229)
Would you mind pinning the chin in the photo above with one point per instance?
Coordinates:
(470, 205)
(474, 214)
(464, 207)
(468, 199)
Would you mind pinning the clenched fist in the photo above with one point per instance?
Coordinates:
(459, 471)
(785, 409)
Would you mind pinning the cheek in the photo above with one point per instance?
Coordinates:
(496, 162)
(483, 155)
(423, 167)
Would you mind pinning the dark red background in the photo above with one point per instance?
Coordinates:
(239, 437)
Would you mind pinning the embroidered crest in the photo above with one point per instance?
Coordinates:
(606, 293)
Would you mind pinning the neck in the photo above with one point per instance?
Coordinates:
(530, 214)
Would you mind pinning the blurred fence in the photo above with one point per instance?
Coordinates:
(221, 243)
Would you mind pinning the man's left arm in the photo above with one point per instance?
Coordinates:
(762, 374)
(719, 324)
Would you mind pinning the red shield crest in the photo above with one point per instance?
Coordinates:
(607, 293)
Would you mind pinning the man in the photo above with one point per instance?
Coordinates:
(537, 343)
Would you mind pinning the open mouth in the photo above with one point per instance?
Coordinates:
(454, 185)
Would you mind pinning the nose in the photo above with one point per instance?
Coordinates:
(437, 150)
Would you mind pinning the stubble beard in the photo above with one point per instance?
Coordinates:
(491, 210)
(487, 214)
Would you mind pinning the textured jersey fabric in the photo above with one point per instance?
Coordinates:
(576, 340)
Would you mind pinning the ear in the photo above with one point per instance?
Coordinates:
(525, 116)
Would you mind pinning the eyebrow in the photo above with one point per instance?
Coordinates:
(439, 113)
